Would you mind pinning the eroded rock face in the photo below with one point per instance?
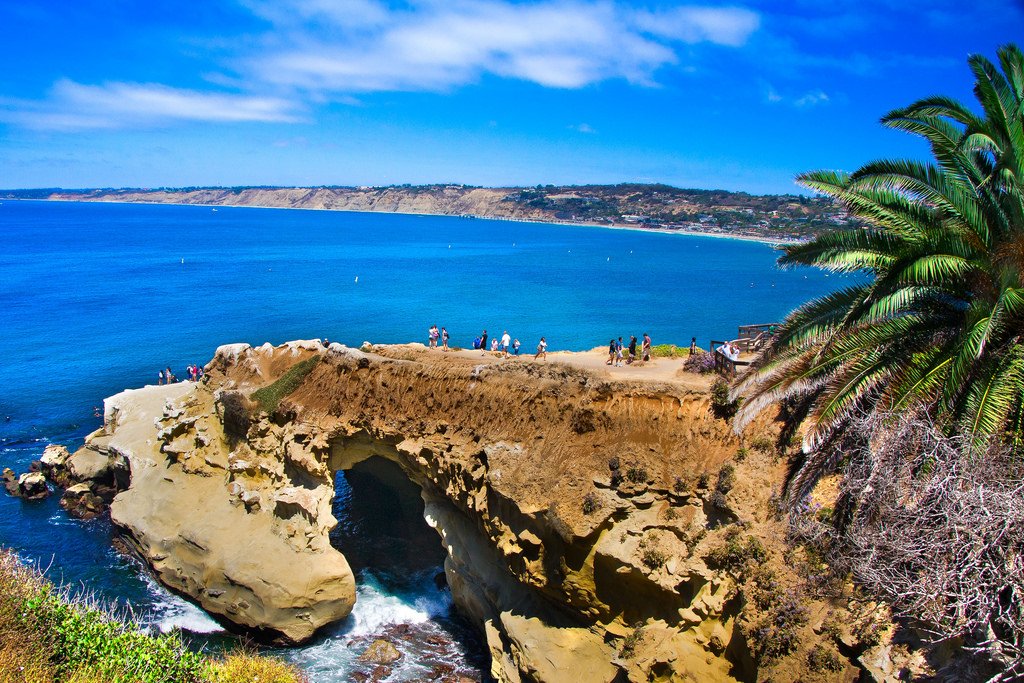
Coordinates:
(273, 574)
(575, 512)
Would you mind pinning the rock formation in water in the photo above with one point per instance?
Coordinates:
(595, 530)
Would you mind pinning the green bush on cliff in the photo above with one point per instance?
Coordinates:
(48, 635)
(269, 397)
(669, 351)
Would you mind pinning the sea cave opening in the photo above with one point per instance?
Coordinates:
(398, 561)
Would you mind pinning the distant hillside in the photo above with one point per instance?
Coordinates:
(774, 217)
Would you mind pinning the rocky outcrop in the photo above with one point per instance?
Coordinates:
(582, 522)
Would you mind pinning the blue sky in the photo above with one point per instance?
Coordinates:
(101, 93)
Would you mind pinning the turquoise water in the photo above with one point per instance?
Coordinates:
(99, 297)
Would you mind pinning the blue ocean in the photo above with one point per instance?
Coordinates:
(99, 297)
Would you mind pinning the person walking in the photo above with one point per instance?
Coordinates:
(618, 352)
(542, 349)
(632, 350)
(432, 335)
(483, 343)
(515, 347)
(645, 350)
(160, 377)
(693, 345)
(444, 339)
(611, 352)
(506, 341)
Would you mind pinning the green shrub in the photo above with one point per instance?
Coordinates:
(590, 503)
(823, 658)
(48, 635)
(777, 633)
(630, 642)
(653, 557)
(736, 552)
(669, 351)
(726, 478)
(82, 637)
(679, 485)
(246, 667)
(637, 474)
(269, 397)
(721, 406)
(762, 444)
(741, 454)
(704, 480)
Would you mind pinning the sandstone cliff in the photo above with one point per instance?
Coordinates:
(441, 201)
(596, 530)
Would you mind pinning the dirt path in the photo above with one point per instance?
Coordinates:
(664, 370)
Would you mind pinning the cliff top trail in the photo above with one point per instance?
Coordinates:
(661, 370)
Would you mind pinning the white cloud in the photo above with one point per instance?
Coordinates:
(74, 106)
(319, 51)
(730, 26)
(436, 46)
(812, 99)
(583, 128)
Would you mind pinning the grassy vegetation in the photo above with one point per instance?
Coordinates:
(671, 351)
(269, 397)
(48, 635)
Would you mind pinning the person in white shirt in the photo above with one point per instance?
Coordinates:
(505, 341)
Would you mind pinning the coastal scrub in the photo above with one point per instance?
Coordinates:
(269, 397)
(48, 634)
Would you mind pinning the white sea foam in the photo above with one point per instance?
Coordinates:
(170, 611)
(375, 608)
(334, 658)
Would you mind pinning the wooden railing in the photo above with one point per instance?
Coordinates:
(754, 337)
(723, 364)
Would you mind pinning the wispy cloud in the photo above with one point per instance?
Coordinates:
(730, 26)
(584, 128)
(438, 46)
(812, 99)
(315, 52)
(74, 106)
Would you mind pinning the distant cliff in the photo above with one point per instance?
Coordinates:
(776, 217)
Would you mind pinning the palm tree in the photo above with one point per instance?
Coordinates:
(938, 321)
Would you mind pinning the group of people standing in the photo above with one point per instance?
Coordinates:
(615, 350)
(165, 376)
(730, 351)
(433, 334)
(505, 345)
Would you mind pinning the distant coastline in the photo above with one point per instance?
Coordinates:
(769, 219)
(603, 226)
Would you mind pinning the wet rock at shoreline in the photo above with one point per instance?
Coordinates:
(32, 486)
(80, 501)
(10, 480)
(381, 651)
